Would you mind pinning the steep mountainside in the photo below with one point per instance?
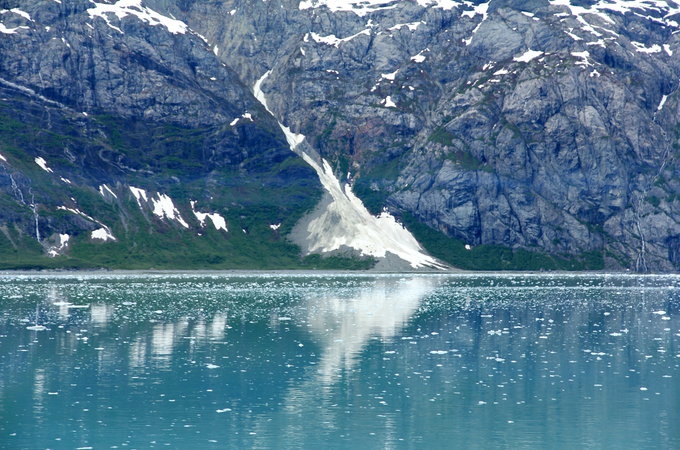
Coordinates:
(504, 134)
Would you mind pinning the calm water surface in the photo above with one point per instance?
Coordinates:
(339, 361)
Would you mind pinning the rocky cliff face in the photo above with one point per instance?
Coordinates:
(548, 125)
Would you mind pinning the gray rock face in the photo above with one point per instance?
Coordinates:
(539, 125)
(524, 124)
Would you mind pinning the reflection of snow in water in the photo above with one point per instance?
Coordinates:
(347, 325)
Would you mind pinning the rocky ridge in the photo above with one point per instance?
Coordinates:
(546, 125)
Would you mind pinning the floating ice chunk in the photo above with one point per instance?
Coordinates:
(660, 312)
(212, 366)
(439, 352)
(220, 411)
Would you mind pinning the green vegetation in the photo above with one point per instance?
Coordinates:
(253, 181)
(496, 257)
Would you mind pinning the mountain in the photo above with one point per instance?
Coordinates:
(539, 134)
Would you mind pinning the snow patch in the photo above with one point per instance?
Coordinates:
(528, 56)
(163, 207)
(43, 164)
(662, 103)
(91, 219)
(102, 234)
(21, 13)
(5, 30)
(336, 41)
(104, 190)
(60, 247)
(585, 58)
(481, 9)
(642, 48)
(443, 4)
(346, 222)
(2, 158)
(659, 11)
(18, 12)
(124, 8)
(140, 194)
(413, 26)
(419, 58)
(360, 8)
(217, 220)
(572, 35)
(388, 102)
(389, 76)
(245, 115)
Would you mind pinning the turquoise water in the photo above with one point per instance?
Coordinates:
(339, 361)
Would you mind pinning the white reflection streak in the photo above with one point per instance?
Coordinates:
(55, 297)
(100, 313)
(162, 342)
(138, 354)
(347, 325)
(38, 391)
(218, 326)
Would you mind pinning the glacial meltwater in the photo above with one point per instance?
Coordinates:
(339, 361)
